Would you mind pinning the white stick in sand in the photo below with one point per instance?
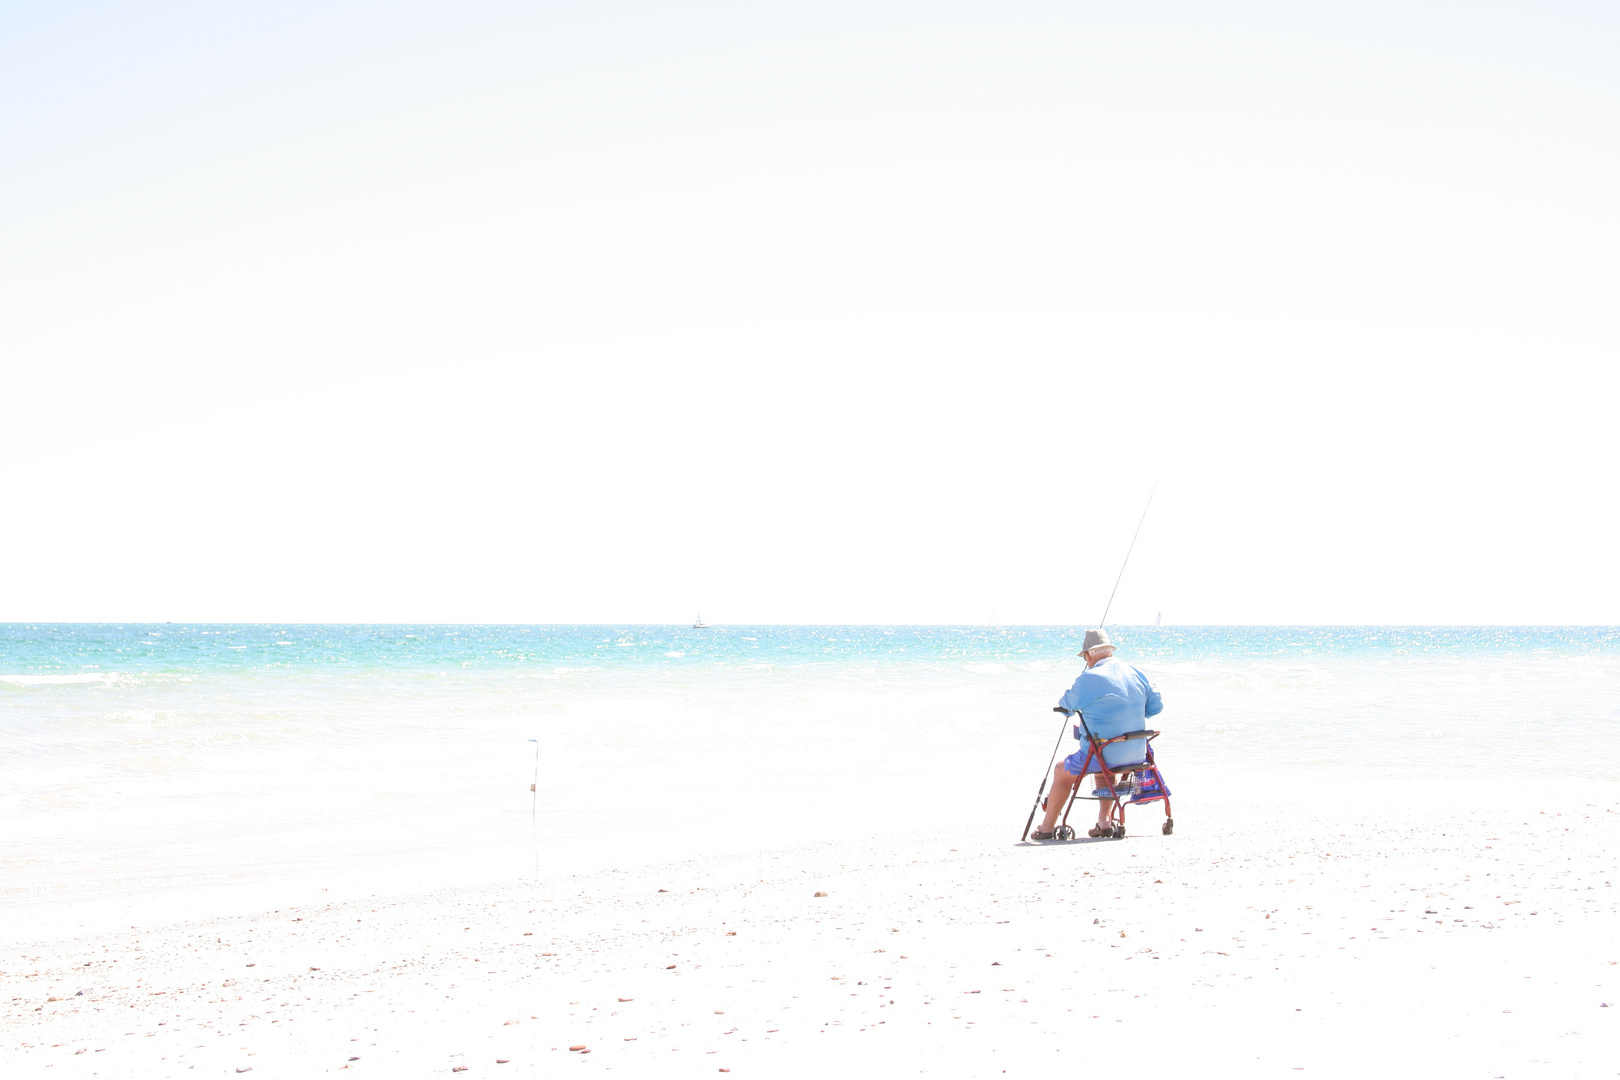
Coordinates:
(534, 786)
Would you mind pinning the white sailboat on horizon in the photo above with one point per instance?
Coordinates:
(698, 623)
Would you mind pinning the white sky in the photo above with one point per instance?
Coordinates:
(819, 312)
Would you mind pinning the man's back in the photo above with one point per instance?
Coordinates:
(1115, 698)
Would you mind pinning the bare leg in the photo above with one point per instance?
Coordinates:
(1063, 782)
(1105, 807)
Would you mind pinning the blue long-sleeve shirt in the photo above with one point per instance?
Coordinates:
(1115, 698)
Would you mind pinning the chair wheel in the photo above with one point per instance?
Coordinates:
(1063, 832)
(1169, 826)
(1119, 832)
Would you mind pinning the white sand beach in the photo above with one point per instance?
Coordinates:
(1259, 940)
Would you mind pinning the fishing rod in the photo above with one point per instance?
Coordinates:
(1120, 577)
(1047, 775)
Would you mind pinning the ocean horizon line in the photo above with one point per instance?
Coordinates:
(29, 623)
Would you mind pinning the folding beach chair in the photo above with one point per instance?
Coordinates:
(1129, 782)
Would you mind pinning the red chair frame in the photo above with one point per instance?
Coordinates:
(1148, 777)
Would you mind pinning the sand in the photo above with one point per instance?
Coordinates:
(1259, 940)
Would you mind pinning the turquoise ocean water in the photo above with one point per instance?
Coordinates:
(146, 757)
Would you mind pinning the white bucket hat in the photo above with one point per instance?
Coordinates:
(1095, 639)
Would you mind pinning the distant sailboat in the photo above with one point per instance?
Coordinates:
(1158, 619)
(699, 624)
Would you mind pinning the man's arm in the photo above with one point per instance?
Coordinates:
(1071, 699)
(1155, 704)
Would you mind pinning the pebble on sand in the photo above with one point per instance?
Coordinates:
(821, 894)
(577, 1046)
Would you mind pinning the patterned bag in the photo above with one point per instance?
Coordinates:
(1149, 785)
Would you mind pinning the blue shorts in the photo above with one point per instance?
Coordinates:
(1077, 761)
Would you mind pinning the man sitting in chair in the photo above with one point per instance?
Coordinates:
(1115, 698)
